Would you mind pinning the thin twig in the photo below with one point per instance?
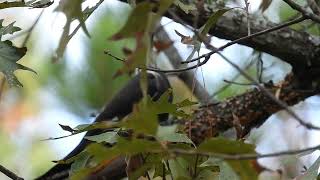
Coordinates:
(233, 79)
(208, 55)
(113, 56)
(278, 27)
(303, 11)
(246, 2)
(9, 173)
(238, 83)
(31, 29)
(241, 156)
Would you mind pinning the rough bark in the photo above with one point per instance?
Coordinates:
(243, 112)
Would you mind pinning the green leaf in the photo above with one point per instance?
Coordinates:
(212, 21)
(96, 125)
(101, 153)
(123, 147)
(226, 146)
(81, 173)
(142, 120)
(164, 106)
(207, 174)
(187, 8)
(72, 11)
(177, 137)
(312, 172)
(8, 4)
(141, 171)
(9, 55)
(80, 162)
(135, 60)
(67, 128)
(39, 4)
(164, 131)
(226, 172)
(109, 137)
(186, 103)
(243, 168)
(164, 5)
(179, 168)
(9, 29)
(203, 31)
(136, 22)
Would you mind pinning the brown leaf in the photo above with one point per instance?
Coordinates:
(185, 39)
(162, 45)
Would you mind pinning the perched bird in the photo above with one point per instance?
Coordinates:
(119, 106)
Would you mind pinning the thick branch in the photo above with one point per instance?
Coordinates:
(243, 112)
(297, 48)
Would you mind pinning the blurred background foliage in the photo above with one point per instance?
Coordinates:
(70, 90)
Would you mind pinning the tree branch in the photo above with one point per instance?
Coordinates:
(243, 112)
(10, 174)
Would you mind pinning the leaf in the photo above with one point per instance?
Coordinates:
(226, 146)
(123, 147)
(142, 120)
(178, 138)
(140, 24)
(244, 168)
(185, 39)
(166, 130)
(8, 4)
(164, 106)
(32, 4)
(72, 11)
(196, 40)
(39, 4)
(312, 172)
(212, 21)
(67, 128)
(96, 125)
(187, 8)
(109, 137)
(207, 174)
(186, 103)
(136, 59)
(9, 29)
(136, 23)
(141, 171)
(265, 5)
(226, 172)
(162, 45)
(80, 162)
(9, 55)
(179, 168)
(164, 5)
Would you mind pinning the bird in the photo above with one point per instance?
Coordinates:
(118, 107)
